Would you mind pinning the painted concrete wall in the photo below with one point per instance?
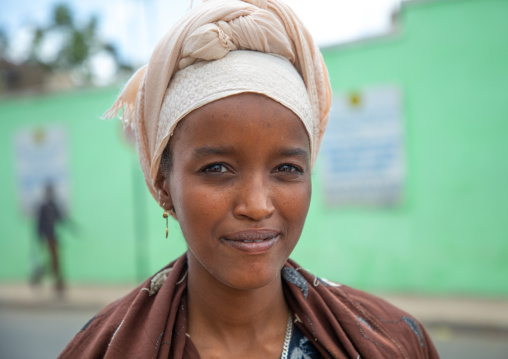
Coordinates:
(449, 59)
(448, 236)
(105, 182)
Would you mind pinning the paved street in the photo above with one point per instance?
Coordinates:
(27, 333)
(32, 333)
(470, 344)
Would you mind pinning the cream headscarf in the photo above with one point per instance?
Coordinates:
(210, 32)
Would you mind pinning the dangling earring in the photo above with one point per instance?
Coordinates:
(165, 215)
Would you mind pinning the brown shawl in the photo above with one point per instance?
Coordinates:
(342, 322)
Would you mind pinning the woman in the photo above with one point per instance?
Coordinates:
(229, 116)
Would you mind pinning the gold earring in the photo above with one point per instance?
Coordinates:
(165, 215)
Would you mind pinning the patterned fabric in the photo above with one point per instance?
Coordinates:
(301, 347)
(335, 320)
(292, 276)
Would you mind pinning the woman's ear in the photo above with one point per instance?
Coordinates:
(163, 192)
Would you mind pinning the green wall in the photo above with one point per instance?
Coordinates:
(449, 236)
(450, 61)
(106, 183)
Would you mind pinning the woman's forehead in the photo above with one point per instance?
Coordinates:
(243, 118)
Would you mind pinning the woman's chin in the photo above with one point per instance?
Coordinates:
(251, 280)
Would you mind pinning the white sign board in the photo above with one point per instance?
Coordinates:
(41, 159)
(362, 155)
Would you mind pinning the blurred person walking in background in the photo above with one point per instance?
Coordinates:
(48, 216)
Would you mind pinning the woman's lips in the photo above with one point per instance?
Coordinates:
(252, 241)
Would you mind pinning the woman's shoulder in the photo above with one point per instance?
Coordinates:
(95, 335)
(356, 299)
(116, 325)
(371, 303)
(377, 317)
(364, 322)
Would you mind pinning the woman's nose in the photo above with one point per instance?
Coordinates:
(254, 199)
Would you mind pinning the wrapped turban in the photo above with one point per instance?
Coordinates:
(192, 59)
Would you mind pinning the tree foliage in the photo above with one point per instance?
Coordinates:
(4, 43)
(79, 45)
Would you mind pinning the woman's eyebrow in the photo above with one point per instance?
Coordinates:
(295, 152)
(207, 151)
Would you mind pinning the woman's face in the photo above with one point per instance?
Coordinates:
(240, 186)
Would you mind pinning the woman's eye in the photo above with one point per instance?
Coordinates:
(215, 168)
(288, 168)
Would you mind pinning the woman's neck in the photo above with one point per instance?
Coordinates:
(224, 319)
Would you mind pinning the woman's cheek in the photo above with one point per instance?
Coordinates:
(296, 199)
(201, 204)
